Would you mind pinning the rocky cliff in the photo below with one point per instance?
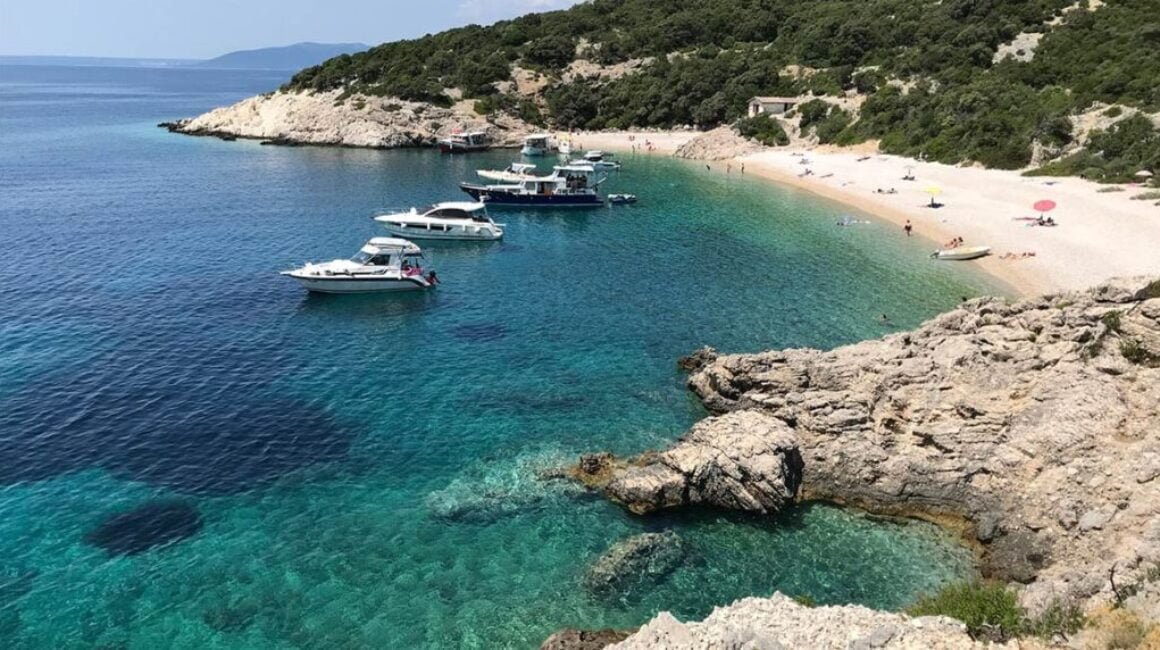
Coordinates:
(337, 119)
(1033, 427)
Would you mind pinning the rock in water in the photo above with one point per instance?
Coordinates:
(697, 360)
(744, 460)
(584, 639)
(153, 524)
(640, 559)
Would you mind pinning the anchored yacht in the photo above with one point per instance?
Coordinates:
(383, 264)
(569, 186)
(457, 220)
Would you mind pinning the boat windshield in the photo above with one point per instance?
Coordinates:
(371, 259)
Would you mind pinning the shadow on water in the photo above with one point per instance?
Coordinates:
(178, 415)
(355, 307)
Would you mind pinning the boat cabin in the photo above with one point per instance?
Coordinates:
(388, 252)
(457, 210)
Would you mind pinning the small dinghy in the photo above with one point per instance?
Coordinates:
(621, 199)
(962, 253)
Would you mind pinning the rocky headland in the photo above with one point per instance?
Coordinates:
(337, 118)
(1031, 428)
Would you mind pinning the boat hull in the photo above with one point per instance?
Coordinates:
(462, 148)
(501, 198)
(320, 284)
(453, 233)
(962, 254)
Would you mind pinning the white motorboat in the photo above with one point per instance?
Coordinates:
(458, 220)
(599, 160)
(537, 144)
(383, 264)
(962, 253)
(621, 199)
(514, 173)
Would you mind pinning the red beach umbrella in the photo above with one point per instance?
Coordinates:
(1046, 205)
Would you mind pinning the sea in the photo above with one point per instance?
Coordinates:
(197, 453)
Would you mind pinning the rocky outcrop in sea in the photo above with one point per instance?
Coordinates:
(1032, 427)
(336, 118)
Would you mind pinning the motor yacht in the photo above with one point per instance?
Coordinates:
(514, 173)
(382, 264)
(456, 220)
(569, 186)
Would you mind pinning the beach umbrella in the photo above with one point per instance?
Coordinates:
(933, 192)
(1144, 173)
(1046, 205)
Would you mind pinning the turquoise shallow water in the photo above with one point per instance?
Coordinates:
(365, 468)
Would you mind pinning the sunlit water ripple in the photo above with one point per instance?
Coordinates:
(362, 471)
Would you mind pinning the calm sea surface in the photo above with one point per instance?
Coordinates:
(365, 468)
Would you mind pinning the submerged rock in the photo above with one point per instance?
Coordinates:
(641, 559)
(493, 490)
(585, 639)
(152, 524)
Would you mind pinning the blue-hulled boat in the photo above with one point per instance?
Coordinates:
(569, 186)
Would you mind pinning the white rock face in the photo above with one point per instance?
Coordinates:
(354, 121)
(780, 623)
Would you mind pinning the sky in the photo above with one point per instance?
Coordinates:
(201, 29)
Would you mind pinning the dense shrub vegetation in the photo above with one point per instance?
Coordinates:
(992, 612)
(707, 57)
(764, 129)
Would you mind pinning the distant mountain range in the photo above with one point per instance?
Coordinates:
(289, 57)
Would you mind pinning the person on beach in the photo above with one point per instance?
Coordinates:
(729, 168)
(908, 227)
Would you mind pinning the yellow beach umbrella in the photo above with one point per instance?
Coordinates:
(933, 192)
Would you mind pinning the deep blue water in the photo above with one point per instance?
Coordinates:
(364, 469)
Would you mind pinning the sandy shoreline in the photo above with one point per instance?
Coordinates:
(1101, 234)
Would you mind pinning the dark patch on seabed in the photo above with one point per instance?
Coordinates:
(152, 524)
(218, 426)
(481, 332)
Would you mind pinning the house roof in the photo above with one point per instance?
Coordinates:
(779, 100)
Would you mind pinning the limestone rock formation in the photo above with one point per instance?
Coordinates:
(745, 460)
(779, 623)
(640, 559)
(1038, 422)
(721, 143)
(330, 118)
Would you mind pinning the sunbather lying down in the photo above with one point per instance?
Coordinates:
(1017, 256)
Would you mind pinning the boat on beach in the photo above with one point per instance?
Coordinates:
(514, 173)
(537, 144)
(962, 253)
(461, 221)
(383, 264)
(465, 142)
(569, 186)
